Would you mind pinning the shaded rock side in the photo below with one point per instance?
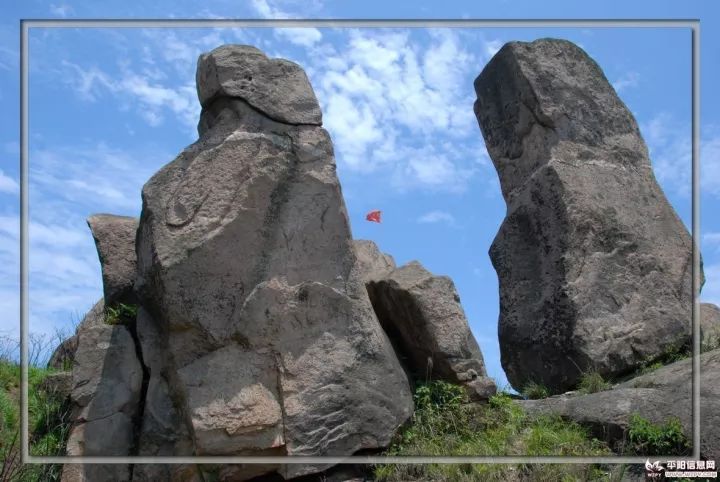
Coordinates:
(656, 396)
(115, 241)
(593, 263)
(245, 266)
(422, 315)
(709, 326)
(107, 382)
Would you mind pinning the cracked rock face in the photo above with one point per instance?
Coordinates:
(268, 342)
(106, 389)
(594, 265)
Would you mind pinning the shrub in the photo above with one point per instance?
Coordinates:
(647, 438)
(121, 314)
(535, 391)
(592, 382)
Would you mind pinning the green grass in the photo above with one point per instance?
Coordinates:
(121, 314)
(535, 391)
(47, 424)
(593, 382)
(647, 438)
(501, 427)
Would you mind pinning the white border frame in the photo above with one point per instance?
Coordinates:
(25, 25)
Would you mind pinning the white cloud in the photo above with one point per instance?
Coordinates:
(492, 47)
(390, 100)
(149, 96)
(670, 145)
(8, 185)
(630, 79)
(61, 10)
(302, 36)
(434, 217)
(670, 149)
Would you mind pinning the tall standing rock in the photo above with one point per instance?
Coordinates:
(594, 265)
(245, 265)
(115, 242)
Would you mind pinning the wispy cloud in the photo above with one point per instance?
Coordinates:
(630, 79)
(670, 145)
(436, 217)
(8, 185)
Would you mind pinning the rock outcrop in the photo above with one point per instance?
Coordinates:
(107, 380)
(422, 315)
(594, 265)
(268, 341)
(115, 241)
(63, 356)
(656, 396)
(709, 326)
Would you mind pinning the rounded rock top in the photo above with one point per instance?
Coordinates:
(277, 88)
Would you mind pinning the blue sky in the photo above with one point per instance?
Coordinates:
(108, 107)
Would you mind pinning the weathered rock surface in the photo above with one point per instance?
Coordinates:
(115, 241)
(594, 265)
(656, 396)
(277, 88)
(709, 326)
(423, 317)
(63, 356)
(107, 379)
(268, 341)
(371, 264)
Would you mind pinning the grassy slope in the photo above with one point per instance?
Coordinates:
(47, 414)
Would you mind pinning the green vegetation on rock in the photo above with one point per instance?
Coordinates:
(593, 382)
(445, 424)
(121, 314)
(647, 438)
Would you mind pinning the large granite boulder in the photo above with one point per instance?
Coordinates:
(656, 396)
(594, 264)
(115, 241)
(709, 326)
(267, 339)
(106, 391)
(422, 315)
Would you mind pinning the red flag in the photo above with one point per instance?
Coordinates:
(373, 216)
